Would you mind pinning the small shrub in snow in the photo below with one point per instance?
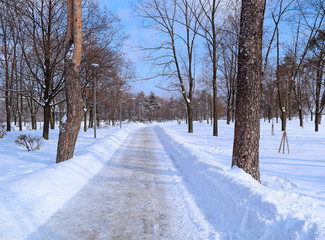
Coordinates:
(3, 131)
(32, 143)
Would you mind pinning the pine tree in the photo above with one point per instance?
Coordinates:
(247, 126)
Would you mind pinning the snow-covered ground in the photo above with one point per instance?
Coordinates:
(290, 203)
(33, 187)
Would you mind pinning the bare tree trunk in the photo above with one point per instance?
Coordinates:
(69, 130)
(190, 118)
(215, 109)
(214, 74)
(228, 114)
(282, 107)
(85, 121)
(52, 117)
(301, 118)
(46, 127)
(319, 78)
(7, 90)
(34, 122)
(283, 121)
(91, 118)
(247, 125)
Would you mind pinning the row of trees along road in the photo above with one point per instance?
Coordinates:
(33, 38)
(291, 60)
(200, 53)
(204, 35)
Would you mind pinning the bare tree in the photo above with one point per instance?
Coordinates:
(7, 53)
(247, 125)
(228, 69)
(211, 31)
(179, 25)
(318, 62)
(41, 34)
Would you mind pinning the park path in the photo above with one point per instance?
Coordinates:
(138, 194)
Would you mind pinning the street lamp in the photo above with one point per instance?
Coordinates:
(133, 110)
(94, 65)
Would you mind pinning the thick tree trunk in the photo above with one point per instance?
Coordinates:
(60, 114)
(319, 78)
(85, 121)
(190, 118)
(233, 108)
(247, 122)
(316, 120)
(215, 110)
(283, 121)
(214, 69)
(47, 115)
(69, 129)
(228, 115)
(34, 123)
(91, 119)
(52, 118)
(301, 118)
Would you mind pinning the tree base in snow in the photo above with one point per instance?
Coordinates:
(69, 129)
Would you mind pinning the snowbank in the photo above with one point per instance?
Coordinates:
(235, 204)
(27, 203)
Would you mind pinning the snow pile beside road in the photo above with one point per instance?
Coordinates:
(235, 204)
(28, 202)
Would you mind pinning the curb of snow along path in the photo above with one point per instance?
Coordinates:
(237, 205)
(28, 203)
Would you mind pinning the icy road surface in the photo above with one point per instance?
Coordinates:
(137, 195)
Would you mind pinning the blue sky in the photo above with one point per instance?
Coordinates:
(132, 27)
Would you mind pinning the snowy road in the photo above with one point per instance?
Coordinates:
(137, 195)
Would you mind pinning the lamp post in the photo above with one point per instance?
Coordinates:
(133, 110)
(120, 115)
(121, 91)
(94, 65)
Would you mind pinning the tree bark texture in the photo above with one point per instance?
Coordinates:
(215, 109)
(69, 129)
(85, 121)
(301, 118)
(214, 80)
(47, 115)
(247, 125)
(318, 110)
(190, 118)
(52, 119)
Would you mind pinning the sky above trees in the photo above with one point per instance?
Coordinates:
(125, 9)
